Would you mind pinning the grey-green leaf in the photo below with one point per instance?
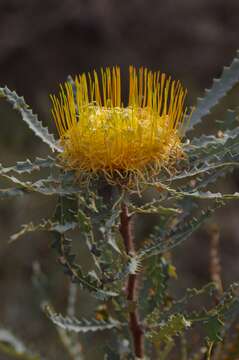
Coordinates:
(230, 76)
(28, 166)
(31, 119)
(176, 236)
(83, 326)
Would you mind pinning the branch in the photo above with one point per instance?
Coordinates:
(135, 326)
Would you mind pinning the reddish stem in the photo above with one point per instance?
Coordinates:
(135, 326)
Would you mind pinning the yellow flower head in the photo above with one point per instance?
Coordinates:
(98, 134)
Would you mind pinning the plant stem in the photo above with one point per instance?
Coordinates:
(135, 326)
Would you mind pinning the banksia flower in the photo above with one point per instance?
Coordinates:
(99, 135)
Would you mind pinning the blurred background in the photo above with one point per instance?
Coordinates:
(41, 43)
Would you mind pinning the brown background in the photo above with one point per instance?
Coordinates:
(41, 42)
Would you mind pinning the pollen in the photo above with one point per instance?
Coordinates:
(99, 134)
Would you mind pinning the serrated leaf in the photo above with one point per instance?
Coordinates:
(86, 281)
(214, 319)
(63, 245)
(49, 186)
(204, 169)
(210, 154)
(210, 146)
(181, 305)
(166, 330)
(212, 159)
(176, 236)
(23, 185)
(83, 325)
(28, 117)
(56, 186)
(152, 207)
(229, 77)
(208, 195)
(28, 166)
(45, 225)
